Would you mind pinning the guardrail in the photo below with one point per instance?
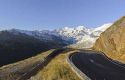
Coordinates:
(80, 74)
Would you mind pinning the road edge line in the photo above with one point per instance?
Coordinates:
(80, 74)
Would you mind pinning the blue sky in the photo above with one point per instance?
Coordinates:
(51, 14)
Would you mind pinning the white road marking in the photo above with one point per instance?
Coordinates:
(91, 60)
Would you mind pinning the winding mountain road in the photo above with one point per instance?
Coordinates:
(97, 66)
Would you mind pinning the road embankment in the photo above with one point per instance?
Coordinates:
(79, 73)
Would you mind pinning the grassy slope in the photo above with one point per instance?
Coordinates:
(112, 41)
(57, 69)
(14, 71)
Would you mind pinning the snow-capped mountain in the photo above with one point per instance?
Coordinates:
(97, 31)
(80, 37)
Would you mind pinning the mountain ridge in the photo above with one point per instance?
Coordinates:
(112, 41)
(71, 36)
(18, 46)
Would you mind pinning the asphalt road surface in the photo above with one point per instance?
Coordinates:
(97, 66)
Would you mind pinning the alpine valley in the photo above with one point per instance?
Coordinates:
(18, 44)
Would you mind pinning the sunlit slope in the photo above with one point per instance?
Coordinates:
(57, 69)
(112, 41)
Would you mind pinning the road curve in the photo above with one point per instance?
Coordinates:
(97, 66)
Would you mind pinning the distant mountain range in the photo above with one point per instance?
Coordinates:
(15, 46)
(69, 36)
(81, 36)
(18, 44)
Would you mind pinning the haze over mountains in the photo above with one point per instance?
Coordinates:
(75, 36)
(18, 44)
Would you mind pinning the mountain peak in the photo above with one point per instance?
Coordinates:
(81, 28)
(79, 34)
(103, 27)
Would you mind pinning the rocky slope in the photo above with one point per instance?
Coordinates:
(112, 41)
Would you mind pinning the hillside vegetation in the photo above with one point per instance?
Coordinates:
(16, 70)
(112, 41)
(57, 69)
